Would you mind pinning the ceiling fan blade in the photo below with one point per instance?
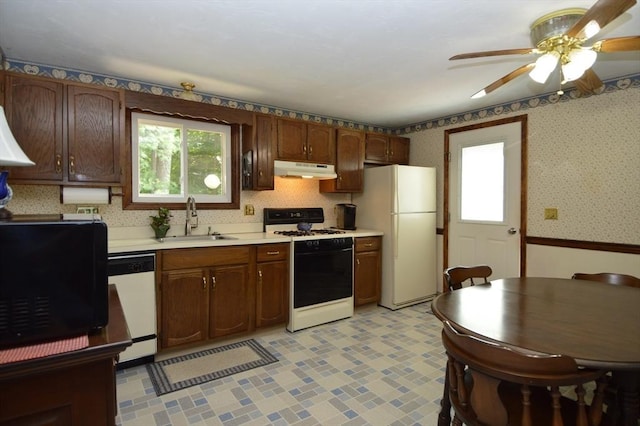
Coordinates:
(589, 83)
(618, 44)
(504, 80)
(494, 53)
(602, 12)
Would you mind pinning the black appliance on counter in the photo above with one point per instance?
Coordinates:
(346, 218)
(53, 279)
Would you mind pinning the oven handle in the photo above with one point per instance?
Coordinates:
(312, 253)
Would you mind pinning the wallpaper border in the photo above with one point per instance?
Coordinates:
(619, 83)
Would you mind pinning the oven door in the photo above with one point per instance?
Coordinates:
(323, 271)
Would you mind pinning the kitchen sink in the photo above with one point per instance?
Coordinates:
(180, 238)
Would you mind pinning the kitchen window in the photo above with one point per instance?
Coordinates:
(174, 158)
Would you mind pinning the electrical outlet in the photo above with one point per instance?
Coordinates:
(551, 214)
(249, 210)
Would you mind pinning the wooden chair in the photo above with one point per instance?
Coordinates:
(455, 276)
(612, 399)
(491, 384)
(609, 278)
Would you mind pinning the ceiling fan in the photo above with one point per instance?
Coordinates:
(559, 38)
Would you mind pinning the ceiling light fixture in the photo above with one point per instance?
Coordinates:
(549, 35)
(188, 94)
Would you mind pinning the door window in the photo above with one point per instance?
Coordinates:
(482, 183)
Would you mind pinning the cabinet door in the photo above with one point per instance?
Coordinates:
(94, 134)
(349, 163)
(399, 150)
(292, 140)
(272, 298)
(264, 138)
(229, 300)
(376, 148)
(321, 144)
(34, 110)
(367, 277)
(185, 307)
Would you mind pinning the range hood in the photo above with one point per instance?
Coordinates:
(304, 170)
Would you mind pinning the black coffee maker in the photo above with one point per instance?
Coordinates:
(346, 216)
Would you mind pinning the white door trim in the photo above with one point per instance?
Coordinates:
(523, 183)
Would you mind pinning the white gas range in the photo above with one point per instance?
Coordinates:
(321, 274)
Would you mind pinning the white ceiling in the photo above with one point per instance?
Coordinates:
(380, 62)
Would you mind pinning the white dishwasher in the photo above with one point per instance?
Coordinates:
(134, 277)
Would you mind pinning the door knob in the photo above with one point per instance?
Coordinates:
(512, 231)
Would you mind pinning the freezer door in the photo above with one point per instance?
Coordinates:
(415, 189)
(414, 257)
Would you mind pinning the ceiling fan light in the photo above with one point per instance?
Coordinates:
(585, 58)
(544, 67)
(572, 71)
(591, 29)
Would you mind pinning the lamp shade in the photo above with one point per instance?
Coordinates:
(10, 152)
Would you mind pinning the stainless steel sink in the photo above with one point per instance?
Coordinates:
(180, 238)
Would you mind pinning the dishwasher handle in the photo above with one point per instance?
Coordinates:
(126, 265)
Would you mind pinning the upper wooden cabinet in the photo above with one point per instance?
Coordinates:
(257, 153)
(72, 132)
(308, 142)
(349, 163)
(383, 149)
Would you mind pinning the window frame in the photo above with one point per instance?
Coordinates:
(128, 202)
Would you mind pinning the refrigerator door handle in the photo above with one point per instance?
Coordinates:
(396, 229)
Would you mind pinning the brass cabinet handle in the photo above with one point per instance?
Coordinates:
(72, 165)
(58, 163)
(204, 283)
(273, 253)
(260, 173)
(213, 282)
(369, 245)
(260, 275)
(358, 262)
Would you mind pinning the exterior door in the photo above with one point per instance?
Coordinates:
(484, 196)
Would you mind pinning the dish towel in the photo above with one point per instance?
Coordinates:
(41, 350)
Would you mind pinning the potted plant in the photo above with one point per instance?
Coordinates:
(160, 223)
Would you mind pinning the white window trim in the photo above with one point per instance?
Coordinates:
(226, 178)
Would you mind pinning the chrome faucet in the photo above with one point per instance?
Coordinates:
(192, 213)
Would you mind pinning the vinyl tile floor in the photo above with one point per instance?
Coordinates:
(380, 367)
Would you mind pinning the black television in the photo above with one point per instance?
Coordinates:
(53, 279)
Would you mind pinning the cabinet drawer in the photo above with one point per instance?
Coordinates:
(269, 252)
(368, 243)
(205, 256)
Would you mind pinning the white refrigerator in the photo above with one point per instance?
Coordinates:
(401, 202)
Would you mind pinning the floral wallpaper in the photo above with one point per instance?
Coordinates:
(41, 199)
(583, 159)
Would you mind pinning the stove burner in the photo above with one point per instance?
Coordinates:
(299, 233)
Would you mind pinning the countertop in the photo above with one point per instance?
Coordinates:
(125, 245)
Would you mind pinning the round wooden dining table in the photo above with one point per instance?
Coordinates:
(596, 324)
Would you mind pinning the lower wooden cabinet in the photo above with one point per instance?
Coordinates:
(367, 270)
(272, 289)
(211, 292)
(185, 307)
(206, 293)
